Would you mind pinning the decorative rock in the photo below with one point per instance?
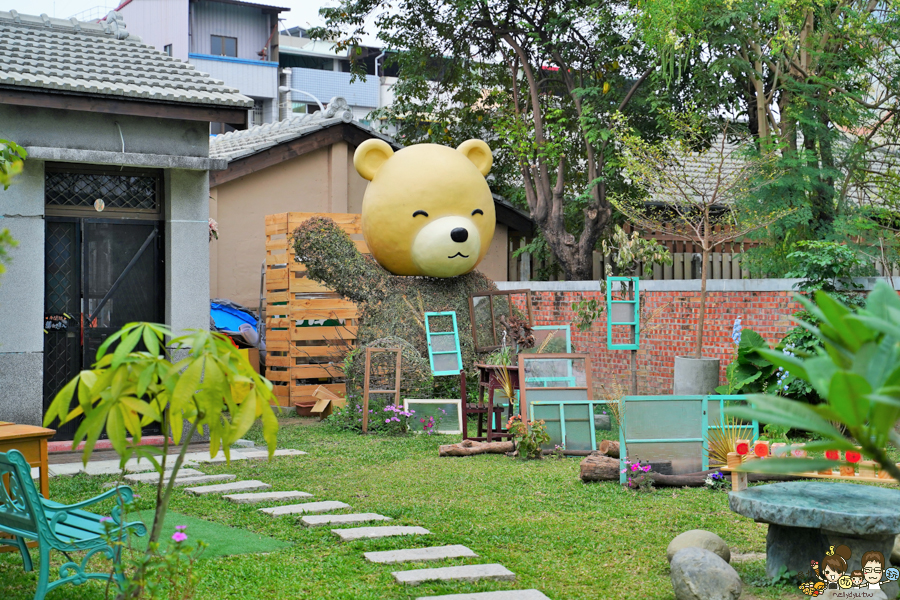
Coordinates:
(309, 507)
(698, 538)
(602, 422)
(266, 497)
(243, 444)
(504, 595)
(237, 486)
(264, 454)
(895, 553)
(372, 533)
(494, 572)
(698, 574)
(318, 520)
(419, 554)
(153, 476)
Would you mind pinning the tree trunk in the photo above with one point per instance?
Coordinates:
(701, 319)
(609, 448)
(598, 467)
(699, 479)
(470, 448)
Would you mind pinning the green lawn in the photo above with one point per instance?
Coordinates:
(570, 540)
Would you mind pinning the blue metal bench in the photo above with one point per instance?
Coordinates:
(26, 515)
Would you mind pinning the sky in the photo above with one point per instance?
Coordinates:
(303, 12)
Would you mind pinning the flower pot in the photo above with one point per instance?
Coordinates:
(695, 376)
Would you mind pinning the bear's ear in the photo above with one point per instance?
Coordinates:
(369, 157)
(479, 153)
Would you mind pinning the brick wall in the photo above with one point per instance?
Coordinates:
(672, 332)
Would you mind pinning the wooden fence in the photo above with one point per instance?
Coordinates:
(308, 326)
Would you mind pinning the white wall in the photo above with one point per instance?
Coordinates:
(159, 22)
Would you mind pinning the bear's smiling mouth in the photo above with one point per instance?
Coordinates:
(459, 254)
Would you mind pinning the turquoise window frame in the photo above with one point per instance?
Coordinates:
(705, 427)
(562, 416)
(429, 335)
(569, 380)
(636, 322)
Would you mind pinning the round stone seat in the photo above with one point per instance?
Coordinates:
(806, 517)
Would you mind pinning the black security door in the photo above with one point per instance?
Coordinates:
(101, 273)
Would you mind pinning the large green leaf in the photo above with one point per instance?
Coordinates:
(847, 394)
(788, 465)
(782, 411)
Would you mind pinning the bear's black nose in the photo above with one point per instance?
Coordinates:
(459, 235)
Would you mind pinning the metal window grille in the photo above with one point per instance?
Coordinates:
(125, 191)
(257, 113)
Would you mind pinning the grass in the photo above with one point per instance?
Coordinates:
(570, 540)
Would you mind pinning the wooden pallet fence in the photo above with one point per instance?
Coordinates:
(308, 326)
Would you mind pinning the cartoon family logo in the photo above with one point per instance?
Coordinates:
(833, 573)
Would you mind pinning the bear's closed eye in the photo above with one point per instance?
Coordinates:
(420, 212)
(477, 211)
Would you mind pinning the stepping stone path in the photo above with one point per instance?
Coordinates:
(308, 507)
(318, 520)
(372, 533)
(493, 572)
(266, 497)
(504, 595)
(223, 488)
(419, 554)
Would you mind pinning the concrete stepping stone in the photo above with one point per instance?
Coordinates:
(181, 482)
(266, 497)
(372, 533)
(318, 520)
(263, 454)
(308, 507)
(419, 554)
(503, 595)
(153, 476)
(493, 572)
(222, 488)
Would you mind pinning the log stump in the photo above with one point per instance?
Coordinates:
(471, 448)
(609, 448)
(599, 467)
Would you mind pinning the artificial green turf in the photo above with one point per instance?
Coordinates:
(221, 540)
(570, 540)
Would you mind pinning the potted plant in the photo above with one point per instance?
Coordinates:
(693, 195)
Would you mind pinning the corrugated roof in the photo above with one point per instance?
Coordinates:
(241, 144)
(100, 59)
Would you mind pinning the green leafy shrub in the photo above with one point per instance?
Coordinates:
(750, 372)
(528, 437)
(857, 372)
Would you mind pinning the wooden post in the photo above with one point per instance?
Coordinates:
(738, 480)
(868, 468)
(365, 427)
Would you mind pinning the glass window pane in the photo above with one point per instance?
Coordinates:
(446, 362)
(443, 342)
(554, 372)
(445, 414)
(230, 46)
(215, 45)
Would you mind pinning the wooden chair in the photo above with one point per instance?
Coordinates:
(483, 408)
(25, 515)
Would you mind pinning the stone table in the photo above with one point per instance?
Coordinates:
(806, 517)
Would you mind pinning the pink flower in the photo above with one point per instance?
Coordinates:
(635, 467)
(647, 469)
(105, 519)
(179, 536)
(180, 527)
(387, 420)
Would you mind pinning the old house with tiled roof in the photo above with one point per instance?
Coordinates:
(111, 210)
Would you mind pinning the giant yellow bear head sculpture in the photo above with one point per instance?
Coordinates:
(427, 209)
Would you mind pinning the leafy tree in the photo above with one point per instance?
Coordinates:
(540, 79)
(136, 381)
(693, 182)
(857, 371)
(816, 80)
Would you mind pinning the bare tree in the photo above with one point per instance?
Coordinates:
(694, 182)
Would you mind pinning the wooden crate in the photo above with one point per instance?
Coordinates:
(307, 324)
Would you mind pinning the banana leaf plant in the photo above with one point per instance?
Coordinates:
(857, 371)
(136, 381)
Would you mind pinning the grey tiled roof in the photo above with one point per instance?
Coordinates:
(100, 59)
(240, 144)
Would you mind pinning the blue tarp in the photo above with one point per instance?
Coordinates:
(230, 319)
